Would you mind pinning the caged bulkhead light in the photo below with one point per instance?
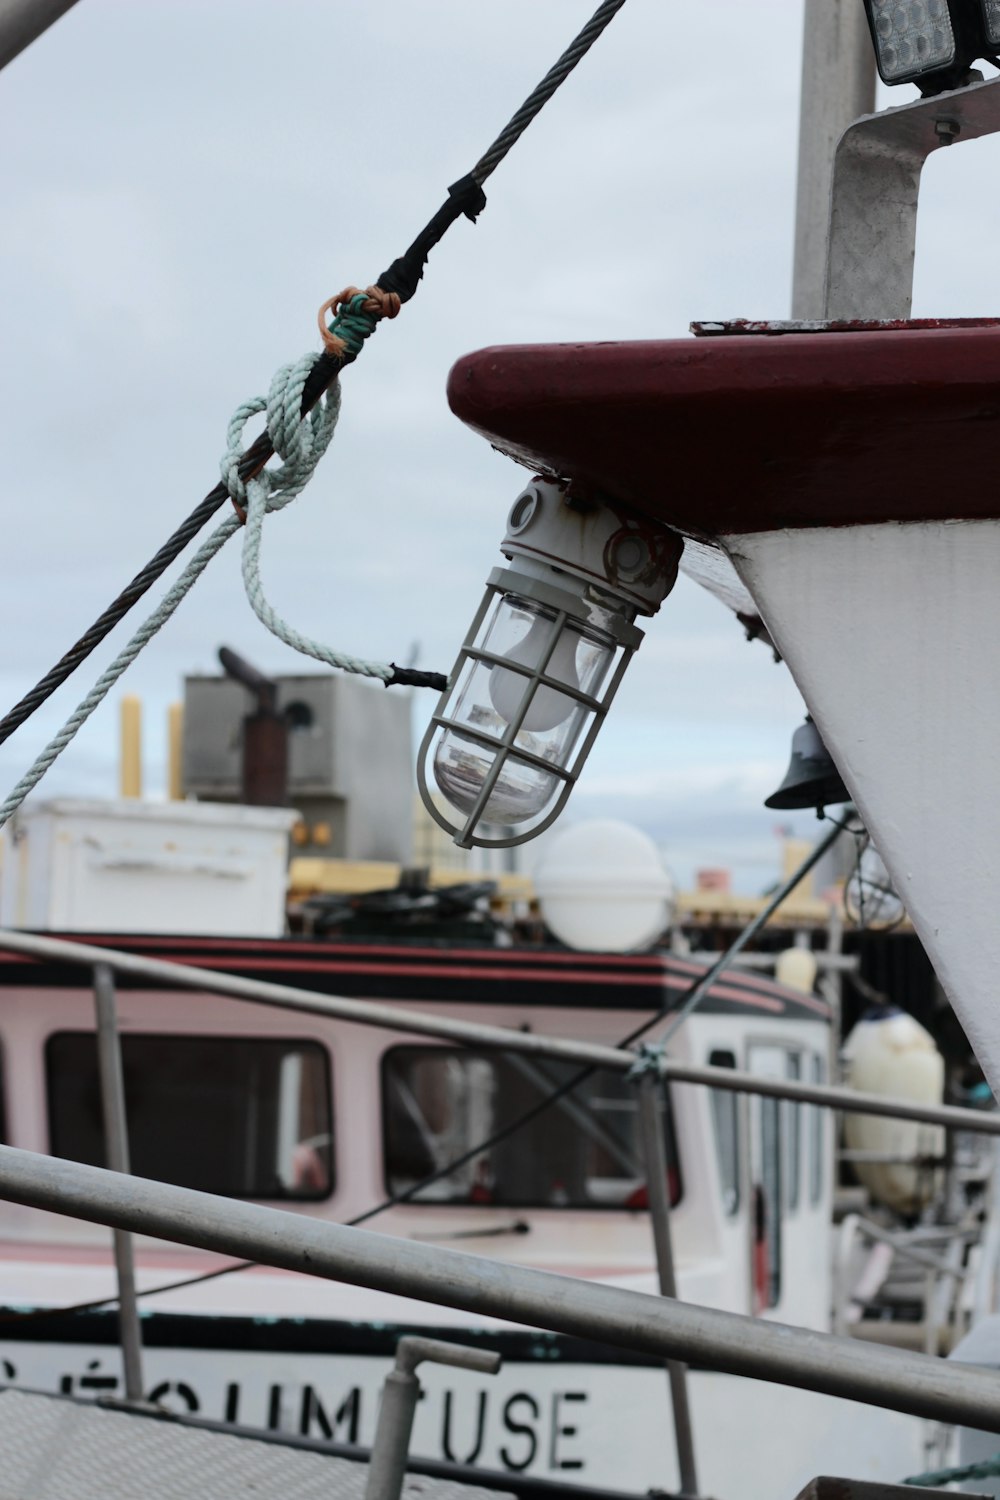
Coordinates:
(541, 664)
(931, 43)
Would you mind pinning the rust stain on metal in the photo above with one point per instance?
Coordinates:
(778, 327)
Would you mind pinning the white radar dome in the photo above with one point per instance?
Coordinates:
(603, 887)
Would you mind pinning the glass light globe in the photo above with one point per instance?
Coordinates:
(490, 697)
(520, 792)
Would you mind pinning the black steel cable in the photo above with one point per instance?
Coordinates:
(540, 96)
(465, 197)
(131, 594)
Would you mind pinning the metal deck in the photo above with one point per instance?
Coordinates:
(52, 1448)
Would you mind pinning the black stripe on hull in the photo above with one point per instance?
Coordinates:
(305, 1336)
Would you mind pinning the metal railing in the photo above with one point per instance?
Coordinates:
(657, 1326)
(673, 1331)
(116, 1150)
(477, 1034)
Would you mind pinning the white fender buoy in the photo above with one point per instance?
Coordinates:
(796, 969)
(891, 1054)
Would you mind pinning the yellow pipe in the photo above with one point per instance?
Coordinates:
(175, 739)
(130, 770)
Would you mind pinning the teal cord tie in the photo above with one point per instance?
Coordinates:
(353, 326)
(357, 315)
(300, 442)
(986, 1469)
(649, 1059)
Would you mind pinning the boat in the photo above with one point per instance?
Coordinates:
(332, 1119)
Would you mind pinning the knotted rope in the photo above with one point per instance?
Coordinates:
(301, 443)
(355, 316)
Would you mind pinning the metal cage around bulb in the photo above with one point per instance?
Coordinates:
(516, 725)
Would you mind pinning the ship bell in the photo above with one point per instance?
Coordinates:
(812, 779)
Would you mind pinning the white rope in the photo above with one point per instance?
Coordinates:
(301, 444)
(125, 658)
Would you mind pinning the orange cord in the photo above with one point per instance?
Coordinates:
(379, 304)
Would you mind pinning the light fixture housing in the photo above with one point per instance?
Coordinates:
(990, 11)
(541, 664)
(932, 43)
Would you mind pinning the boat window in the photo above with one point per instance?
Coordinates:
(770, 1162)
(585, 1150)
(248, 1117)
(816, 1134)
(793, 1116)
(768, 1166)
(725, 1112)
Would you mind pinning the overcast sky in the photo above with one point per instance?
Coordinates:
(185, 181)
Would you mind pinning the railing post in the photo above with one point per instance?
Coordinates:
(658, 1198)
(116, 1151)
(400, 1394)
(746, 1204)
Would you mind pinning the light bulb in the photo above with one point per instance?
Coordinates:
(548, 708)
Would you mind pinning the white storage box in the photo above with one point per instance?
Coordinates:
(75, 865)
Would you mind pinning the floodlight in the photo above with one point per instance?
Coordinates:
(990, 10)
(931, 43)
